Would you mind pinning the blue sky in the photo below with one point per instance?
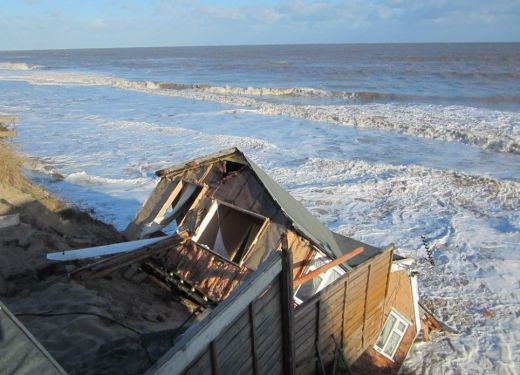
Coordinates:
(43, 24)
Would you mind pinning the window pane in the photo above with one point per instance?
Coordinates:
(401, 327)
(392, 344)
(386, 331)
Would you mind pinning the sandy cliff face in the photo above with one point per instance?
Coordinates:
(99, 326)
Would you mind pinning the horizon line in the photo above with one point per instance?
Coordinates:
(258, 45)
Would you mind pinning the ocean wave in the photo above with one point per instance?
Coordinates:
(84, 178)
(18, 66)
(50, 76)
(486, 128)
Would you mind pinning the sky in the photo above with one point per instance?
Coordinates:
(55, 24)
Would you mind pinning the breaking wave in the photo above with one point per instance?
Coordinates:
(84, 178)
(18, 66)
(486, 128)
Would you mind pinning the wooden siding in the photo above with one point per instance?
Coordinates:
(400, 299)
(348, 312)
(246, 334)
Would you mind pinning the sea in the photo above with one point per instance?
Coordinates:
(412, 144)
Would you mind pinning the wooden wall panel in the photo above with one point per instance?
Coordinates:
(244, 334)
(347, 312)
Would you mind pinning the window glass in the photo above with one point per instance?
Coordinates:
(391, 335)
(393, 342)
(386, 331)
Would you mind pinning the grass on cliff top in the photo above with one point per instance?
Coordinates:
(14, 185)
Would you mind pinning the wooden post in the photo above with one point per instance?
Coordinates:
(287, 305)
(367, 290)
(317, 339)
(253, 340)
(214, 357)
(343, 317)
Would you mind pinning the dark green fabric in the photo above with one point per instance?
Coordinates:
(20, 353)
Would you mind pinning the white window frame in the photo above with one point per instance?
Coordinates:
(395, 329)
(326, 276)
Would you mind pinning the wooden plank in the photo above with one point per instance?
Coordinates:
(214, 358)
(274, 365)
(268, 348)
(287, 305)
(306, 350)
(228, 154)
(236, 351)
(200, 335)
(304, 319)
(232, 331)
(305, 326)
(99, 251)
(252, 324)
(268, 297)
(201, 366)
(245, 367)
(264, 327)
(274, 329)
(305, 307)
(162, 194)
(237, 344)
(270, 313)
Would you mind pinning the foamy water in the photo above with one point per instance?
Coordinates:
(382, 144)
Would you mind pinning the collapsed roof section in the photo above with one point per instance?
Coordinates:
(332, 244)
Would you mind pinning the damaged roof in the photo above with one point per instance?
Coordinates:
(332, 244)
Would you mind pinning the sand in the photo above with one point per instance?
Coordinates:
(120, 324)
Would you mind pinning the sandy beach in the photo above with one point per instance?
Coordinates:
(119, 324)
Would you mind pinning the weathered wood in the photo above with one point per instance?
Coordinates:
(200, 335)
(214, 358)
(107, 266)
(252, 324)
(232, 331)
(228, 154)
(164, 192)
(201, 366)
(287, 305)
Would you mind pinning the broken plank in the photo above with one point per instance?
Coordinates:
(98, 251)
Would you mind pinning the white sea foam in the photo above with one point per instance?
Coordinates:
(84, 178)
(18, 66)
(489, 129)
(472, 223)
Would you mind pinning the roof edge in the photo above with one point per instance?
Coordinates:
(176, 168)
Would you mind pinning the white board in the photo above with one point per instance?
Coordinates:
(98, 251)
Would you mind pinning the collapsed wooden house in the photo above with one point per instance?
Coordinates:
(334, 302)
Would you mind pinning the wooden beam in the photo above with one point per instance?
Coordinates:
(328, 266)
(287, 308)
(253, 337)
